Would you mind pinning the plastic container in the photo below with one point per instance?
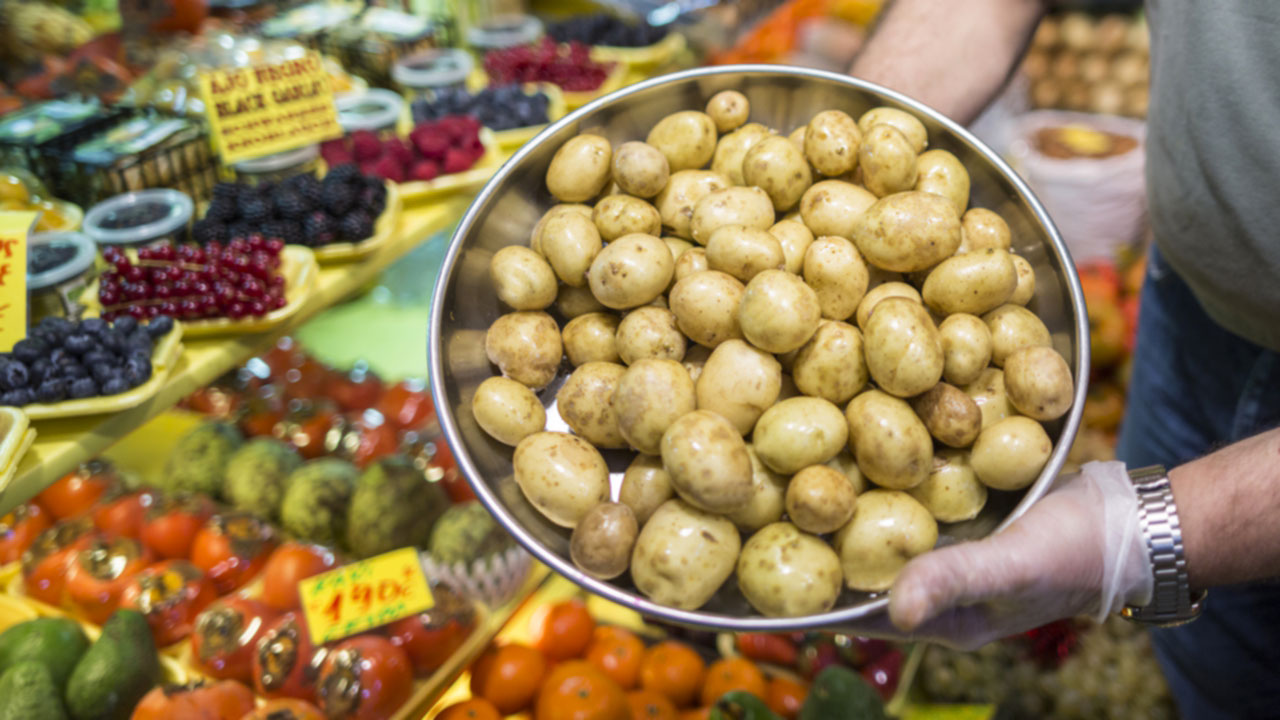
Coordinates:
(422, 73)
(376, 110)
(140, 218)
(55, 289)
(504, 31)
(277, 167)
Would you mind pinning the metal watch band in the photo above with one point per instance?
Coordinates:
(1171, 602)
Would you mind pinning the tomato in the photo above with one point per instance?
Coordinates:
(443, 464)
(785, 696)
(358, 389)
(20, 528)
(260, 424)
(673, 669)
(307, 379)
(508, 676)
(364, 678)
(225, 635)
(100, 572)
(212, 401)
(617, 652)
(232, 548)
(431, 637)
(473, 709)
(223, 700)
(307, 429)
(883, 673)
(122, 515)
(765, 647)
(285, 663)
(76, 492)
(859, 651)
(372, 438)
(577, 690)
(563, 630)
(170, 594)
(45, 561)
(170, 525)
(729, 674)
(286, 709)
(650, 705)
(291, 562)
(407, 404)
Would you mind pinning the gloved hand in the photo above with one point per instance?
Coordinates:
(1078, 551)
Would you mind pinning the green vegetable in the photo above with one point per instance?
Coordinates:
(315, 505)
(839, 693)
(55, 643)
(467, 532)
(257, 474)
(739, 705)
(199, 460)
(116, 671)
(394, 505)
(27, 692)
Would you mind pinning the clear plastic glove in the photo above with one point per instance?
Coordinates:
(1078, 551)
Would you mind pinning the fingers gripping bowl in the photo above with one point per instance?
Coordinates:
(466, 304)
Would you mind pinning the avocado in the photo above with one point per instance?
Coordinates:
(116, 671)
(394, 505)
(27, 692)
(55, 643)
(256, 475)
(198, 462)
(838, 693)
(467, 532)
(315, 503)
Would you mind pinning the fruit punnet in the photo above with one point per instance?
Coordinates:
(569, 66)
(445, 146)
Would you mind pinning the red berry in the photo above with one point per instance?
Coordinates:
(424, 170)
(388, 169)
(456, 161)
(365, 145)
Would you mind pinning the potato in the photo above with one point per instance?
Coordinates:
(645, 486)
(880, 292)
(906, 123)
(601, 543)
(891, 445)
(831, 365)
(904, 351)
(590, 338)
(799, 432)
(820, 499)
(941, 173)
(908, 231)
(561, 475)
(686, 138)
(951, 416)
(744, 252)
(535, 238)
(746, 206)
(706, 307)
(683, 555)
(739, 382)
(650, 396)
(778, 311)
(783, 572)
(984, 229)
(887, 529)
(833, 207)
(695, 358)
(631, 271)
(952, 492)
(971, 283)
(1026, 288)
(649, 332)
(525, 345)
(580, 168)
(640, 169)
(733, 147)
(778, 167)
(988, 392)
(584, 403)
(677, 246)
(728, 109)
(836, 272)
(797, 137)
(507, 410)
(887, 161)
(675, 202)
(845, 464)
(966, 348)
(573, 302)
(1013, 327)
(570, 242)
(693, 260)
(1038, 383)
(831, 143)
(522, 279)
(879, 277)
(1010, 454)
(618, 215)
(768, 497)
(795, 239)
(708, 462)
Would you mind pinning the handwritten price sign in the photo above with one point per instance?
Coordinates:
(14, 227)
(364, 595)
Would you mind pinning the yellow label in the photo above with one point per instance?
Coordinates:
(265, 109)
(365, 595)
(14, 227)
(948, 712)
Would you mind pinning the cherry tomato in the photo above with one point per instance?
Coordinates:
(563, 630)
(357, 389)
(213, 401)
(308, 429)
(307, 379)
(170, 594)
(260, 424)
(225, 635)
(171, 524)
(858, 651)
(286, 709)
(291, 562)
(20, 528)
(45, 562)
(766, 647)
(101, 571)
(371, 438)
(407, 404)
(223, 700)
(76, 492)
(122, 515)
(232, 548)
(364, 678)
(431, 637)
(285, 663)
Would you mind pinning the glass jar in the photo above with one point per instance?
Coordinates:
(59, 266)
(144, 217)
(277, 167)
(376, 110)
(503, 31)
(420, 74)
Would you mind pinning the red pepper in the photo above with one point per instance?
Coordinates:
(763, 647)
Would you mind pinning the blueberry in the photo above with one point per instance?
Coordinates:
(40, 366)
(23, 396)
(30, 350)
(115, 385)
(139, 338)
(14, 375)
(126, 324)
(73, 371)
(112, 341)
(137, 370)
(93, 325)
(59, 356)
(160, 326)
(102, 372)
(11, 398)
(56, 324)
(51, 390)
(79, 343)
(99, 357)
(82, 388)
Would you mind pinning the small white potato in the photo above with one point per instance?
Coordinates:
(707, 461)
(573, 302)
(831, 143)
(973, 283)
(880, 277)
(966, 348)
(799, 432)
(1010, 454)
(739, 382)
(584, 403)
(888, 528)
(904, 351)
(845, 464)
(891, 445)
(535, 237)
(695, 358)
(908, 231)
(833, 207)
(507, 410)
(591, 338)
(580, 168)
(733, 147)
(795, 240)
(1026, 288)
(887, 161)
(525, 345)
(951, 416)
(522, 279)
(778, 311)
(744, 252)
(728, 109)
(640, 169)
(686, 138)
(768, 497)
(906, 123)
(783, 572)
(570, 242)
(649, 332)
(561, 475)
(693, 260)
(631, 271)
(874, 295)
(706, 306)
(618, 215)
(1014, 327)
(645, 486)
(602, 542)
(836, 272)
(984, 229)
(684, 555)
(746, 206)
(820, 499)
(676, 200)
(779, 168)
(988, 392)
(832, 365)
(952, 492)
(650, 396)
(941, 173)
(1038, 383)
(677, 246)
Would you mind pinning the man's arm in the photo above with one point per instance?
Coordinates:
(953, 55)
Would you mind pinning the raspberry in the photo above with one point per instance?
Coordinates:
(365, 145)
(430, 142)
(424, 170)
(387, 168)
(401, 150)
(335, 153)
(456, 160)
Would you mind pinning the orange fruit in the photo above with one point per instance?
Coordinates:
(564, 630)
(508, 676)
(650, 705)
(617, 652)
(785, 696)
(703, 713)
(578, 690)
(729, 674)
(674, 670)
(473, 709)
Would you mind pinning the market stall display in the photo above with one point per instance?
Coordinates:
(1090, 63)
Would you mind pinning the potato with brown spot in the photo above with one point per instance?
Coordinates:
(904, 122)
(952, 492)
(522, 278)
(833, 207)
(768, 497)
(908, 231)
(904, 351)
(591, 338)
(650, 332)
(1010, 454)
(580, 168)
(645, 486)
(798, 432)
(708, 462)
(831, 143)
(739, 382)
(778, 311)
(525, 345)
(1038, 382)
(966, 348)
(728, 109)
(1014, 327)
(535, 237)
(892, 447)
(951, 416)
(884, 290)
(640, 169)
(745, 206)
(675, 202)
(820, 499)
(651, 395)
(941, 173)
(733, 147)
(795, 239)
(888, 528)
(973, 283)
(706, 307)
(562, 475)
(887, 161)
(584, 402)
(684, 555)
(1026, 287)
(686, 138)
(983, 229)
(832, 365)
(836, 272)
(744, 252)
(508, 411)
(601, 543)
(778, 167)
(631, 271)
(784, 572)
(618, 215)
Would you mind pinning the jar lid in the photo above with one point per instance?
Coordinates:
(138, 217)
(78, 260)
(374, 109)
(432, 69)
(504, 31)
(279, 161)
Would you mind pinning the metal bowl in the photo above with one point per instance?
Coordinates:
(506, 209)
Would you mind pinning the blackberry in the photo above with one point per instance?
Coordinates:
(356, 226)
(291, 233)
(240, 230)
(289, 204)
(318, 229)
(274, 229)
(83, 387)
(208, 230)
(344, 174)
(226, 191)
(374, 197)
(222, 210)
(253, 209)
(338, 196)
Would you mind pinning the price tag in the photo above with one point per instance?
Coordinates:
(364, 595)
(948, 712)
(265, 109)
(14, 227)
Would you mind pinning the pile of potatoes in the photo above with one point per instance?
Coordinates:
(817, 350)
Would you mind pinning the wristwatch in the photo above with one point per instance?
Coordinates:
(1172, 602)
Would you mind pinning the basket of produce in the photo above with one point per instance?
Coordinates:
(570, 66)
(839, 367)
(514, 113)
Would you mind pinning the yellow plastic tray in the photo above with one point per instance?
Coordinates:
(24, 444)
(642, 58)
(417, 192)
(13, 426)
(382, 232)
(13, 612)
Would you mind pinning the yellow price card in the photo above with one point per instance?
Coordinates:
(265, 109)
(365, 595)
(14, 228)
